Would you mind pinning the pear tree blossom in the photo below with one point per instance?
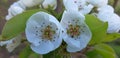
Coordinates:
(44, 32)
(49, 3)
(105, 9)
(14, 9)
(76, 32)
(12, 43)
(98, 3)
(79, 5)
(30, 3)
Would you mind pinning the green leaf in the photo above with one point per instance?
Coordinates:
(98, 29)
(111, 37)
(17, 24)
(116, 48)
(25, 52)
(93, 54)
(105, 51)
(102, 51)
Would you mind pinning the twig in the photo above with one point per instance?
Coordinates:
(59, 6)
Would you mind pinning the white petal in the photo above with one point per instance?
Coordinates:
(9, 16)
(31, 3)
(104, 16)
(57, 41)
(43, 48)
(58, 37)
(69, 16)
(72, 42)
(2, 43)
(85, 35)
(80, 3)
(114, 24)
(15, 10)
(69, 4)
(105, 9)
(98, 3)
(15, 42)
(51, 3)
(21, 5)
(72, 49)
(32, 33)
(86, 9)
(18, 4)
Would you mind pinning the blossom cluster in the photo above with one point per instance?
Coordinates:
(46, 33)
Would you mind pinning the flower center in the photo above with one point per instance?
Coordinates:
(48, 33)
(73, 31)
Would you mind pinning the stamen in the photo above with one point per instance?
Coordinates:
(48, 33)
(73, 31)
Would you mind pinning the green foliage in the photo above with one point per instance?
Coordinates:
(17, 24)
(98, 29)
(93, 54)
(116, 48)
(101, 51)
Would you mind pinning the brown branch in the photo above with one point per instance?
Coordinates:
(59, 6)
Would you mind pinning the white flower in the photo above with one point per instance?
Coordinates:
(112, 19)
(50, 3)
(76, 32)
(14, 9)
(44, 32)
(12, 44)
(98, 3)
(30, 3)
(78, 5)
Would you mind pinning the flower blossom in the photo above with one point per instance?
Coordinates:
(14, 10)
(44, 32)
(49, 3)
(12, 43)
(76, 32)
(78, 5)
